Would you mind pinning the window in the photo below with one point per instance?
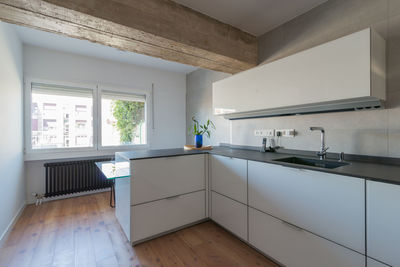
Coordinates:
(83, 118)
(49, 106)
(55, 119)
(80, 108)
(80, 124)
(123, 120)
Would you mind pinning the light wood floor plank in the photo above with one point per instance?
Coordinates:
(84, 231)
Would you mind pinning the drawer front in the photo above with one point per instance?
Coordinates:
(230, 214)
(156, 217)
(328, 205)
(295, 247)
(383, 221)
(374, 263)
(158, 178)
(229, 177)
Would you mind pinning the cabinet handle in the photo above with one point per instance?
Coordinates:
(292, 226)
(173, 197)
(293, 168)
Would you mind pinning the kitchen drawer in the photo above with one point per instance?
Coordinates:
(383, 222)
(229, 177)
(158, 178)
(331, 206)
(156, 217)
(374, 263)
(292, 246)
(230, 214)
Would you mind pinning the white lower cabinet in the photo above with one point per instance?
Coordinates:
(292, 246)
(158, 178)
(157, 217)
(229, 177)
(329, 205)
(374, 263)
(230, 214)
(383, 222)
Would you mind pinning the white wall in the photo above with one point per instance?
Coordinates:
(12, 189)
(169, 95)
(199, 104)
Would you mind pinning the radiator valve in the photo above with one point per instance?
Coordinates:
(39, 198)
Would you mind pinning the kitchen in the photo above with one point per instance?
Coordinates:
(324, 197)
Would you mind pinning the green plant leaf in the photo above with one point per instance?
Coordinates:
(198, 129)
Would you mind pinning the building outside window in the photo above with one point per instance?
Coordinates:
(55, 122)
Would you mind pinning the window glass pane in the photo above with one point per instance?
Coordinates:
(123, 119)
(61, 117)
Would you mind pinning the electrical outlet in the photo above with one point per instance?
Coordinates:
(264, 132)
(287, 132)
(270, 133)
(257, 132)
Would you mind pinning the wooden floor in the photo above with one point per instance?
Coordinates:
(83, 231)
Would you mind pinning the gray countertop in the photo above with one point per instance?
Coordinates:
(370, 171)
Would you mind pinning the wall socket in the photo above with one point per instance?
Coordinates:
(264, 132)
(286, 132)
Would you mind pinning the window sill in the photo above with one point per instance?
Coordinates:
(82, 154)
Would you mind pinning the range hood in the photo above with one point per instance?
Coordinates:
(341, 75)
(363, 103)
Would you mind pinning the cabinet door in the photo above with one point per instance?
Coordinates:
(328, 205)
(154, 179)
(383, 222)
(229, 177)
(292, 246)
(230, 214)
(374, 263)
(160, 216)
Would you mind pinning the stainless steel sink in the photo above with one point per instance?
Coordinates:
(313, 162)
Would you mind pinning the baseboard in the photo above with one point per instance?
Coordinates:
(72, 195)
(7, 232)
(169, 231)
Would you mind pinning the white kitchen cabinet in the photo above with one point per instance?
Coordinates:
(158, 178)
(383, 222)
(160, 216)
(328, 205)
(229, 177)
(292, 246)
(349, 68)
(374, 263)
(123, 198)
(230, 214)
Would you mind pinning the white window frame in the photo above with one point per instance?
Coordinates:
(97, 148)
(28, 121)
(124, 90)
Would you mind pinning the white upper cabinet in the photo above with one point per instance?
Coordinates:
(383, 222)
(349, 68)
(229, 177)
(331, 206)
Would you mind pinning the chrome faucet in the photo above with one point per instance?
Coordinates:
(322, 153)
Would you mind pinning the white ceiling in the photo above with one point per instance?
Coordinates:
(86, 48)
(253, 16)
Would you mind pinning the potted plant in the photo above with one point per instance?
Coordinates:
(198, 130)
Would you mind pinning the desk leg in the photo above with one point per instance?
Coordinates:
(112, 195)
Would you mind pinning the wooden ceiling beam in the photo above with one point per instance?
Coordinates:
(158, 28)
